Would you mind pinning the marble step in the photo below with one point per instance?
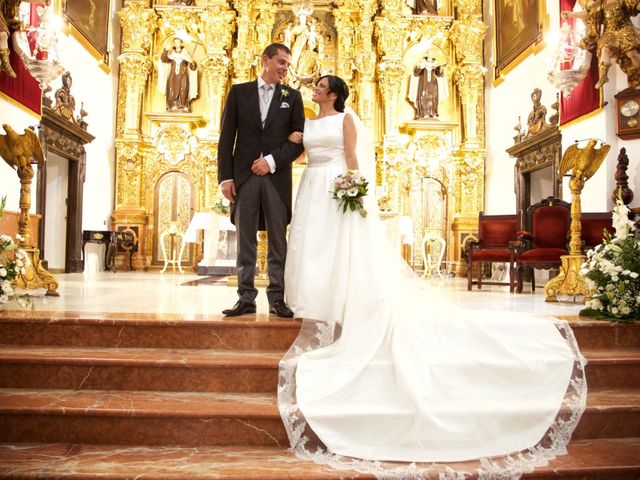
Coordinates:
(611, 459)
(260, 332)
(180, 370)
(196, 419)
(209, 370)
(147, 330)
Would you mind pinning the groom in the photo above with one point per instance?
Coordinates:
(254, 172)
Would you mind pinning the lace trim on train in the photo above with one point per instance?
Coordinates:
(306, 445)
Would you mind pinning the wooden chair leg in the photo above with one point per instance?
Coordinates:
(480, 264)
(533, 280)
(519, 275)
(469, 273)
(511, 280)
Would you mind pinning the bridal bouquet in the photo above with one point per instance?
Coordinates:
(349, 189)
(612, 270)
(12, 263)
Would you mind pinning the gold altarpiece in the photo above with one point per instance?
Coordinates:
(431, 169)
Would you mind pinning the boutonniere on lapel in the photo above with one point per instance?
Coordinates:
(284, 93)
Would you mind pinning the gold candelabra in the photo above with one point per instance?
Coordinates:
(583, 162)
(18, 151)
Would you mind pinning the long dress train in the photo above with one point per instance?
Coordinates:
(384, 371)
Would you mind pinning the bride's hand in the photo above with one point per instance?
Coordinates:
(296, 137)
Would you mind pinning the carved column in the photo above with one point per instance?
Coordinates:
(467, 33)
(242, 55)
(134, 70)
(390, 30)
(138, 25)
(346, 36)
(217, 24)
(366, 63)
(264, 25)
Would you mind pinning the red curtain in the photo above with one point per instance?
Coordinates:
(584, 98)
(24, 89)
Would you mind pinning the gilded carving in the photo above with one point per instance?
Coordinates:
(138, 24)
(467, 36)
(218, 27)
(242, 55)
(173, 142)
(363, 41)
(469, 172)
(468, 7)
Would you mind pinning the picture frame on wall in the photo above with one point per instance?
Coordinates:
(90, 22)
(518, 28)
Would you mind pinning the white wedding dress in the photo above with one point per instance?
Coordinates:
(384, 371)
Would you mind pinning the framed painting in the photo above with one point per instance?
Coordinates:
(518, 26)
(90, 19)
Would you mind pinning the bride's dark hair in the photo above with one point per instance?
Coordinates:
(339, 87)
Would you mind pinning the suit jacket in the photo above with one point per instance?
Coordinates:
(243, 139)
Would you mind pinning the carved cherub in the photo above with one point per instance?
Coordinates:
(611, 32)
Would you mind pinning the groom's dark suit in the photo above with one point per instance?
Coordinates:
(260, 199)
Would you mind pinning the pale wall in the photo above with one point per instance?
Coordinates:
(510, 99)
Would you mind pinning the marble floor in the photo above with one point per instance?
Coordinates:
(190, 294)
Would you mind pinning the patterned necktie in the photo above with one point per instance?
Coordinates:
(266, 88)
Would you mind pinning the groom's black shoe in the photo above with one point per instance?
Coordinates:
(280, 309)
(240, 308)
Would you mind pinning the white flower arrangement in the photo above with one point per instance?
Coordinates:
(612, 270)
(222, 206)
(13, 261)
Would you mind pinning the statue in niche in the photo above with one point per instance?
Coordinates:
(611, 32)
(423, 7)
(182, 3)
(5, 64)
(307, 46)
(426, 87)
(178, 76)
(536, 122)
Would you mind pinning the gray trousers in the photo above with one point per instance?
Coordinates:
(256, 194)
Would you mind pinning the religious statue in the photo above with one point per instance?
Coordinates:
(182, 3)
(611, 32)
(178, 77)
(5, 64)
(426, 86)
(65, 102)
(307, 46)
(287, 33)
(536, 122)
(423, 7)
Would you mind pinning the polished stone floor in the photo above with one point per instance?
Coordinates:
(147, 292)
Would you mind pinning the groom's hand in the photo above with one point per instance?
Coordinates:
(260, 167)
(229, 190)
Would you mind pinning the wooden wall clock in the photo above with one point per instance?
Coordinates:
(628, 113)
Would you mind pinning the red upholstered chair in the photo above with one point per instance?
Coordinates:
(545, 239)
(593, 225)
(496, 243)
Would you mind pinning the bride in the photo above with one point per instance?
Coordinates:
(384, 371)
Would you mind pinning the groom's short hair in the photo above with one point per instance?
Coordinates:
(272, 49)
